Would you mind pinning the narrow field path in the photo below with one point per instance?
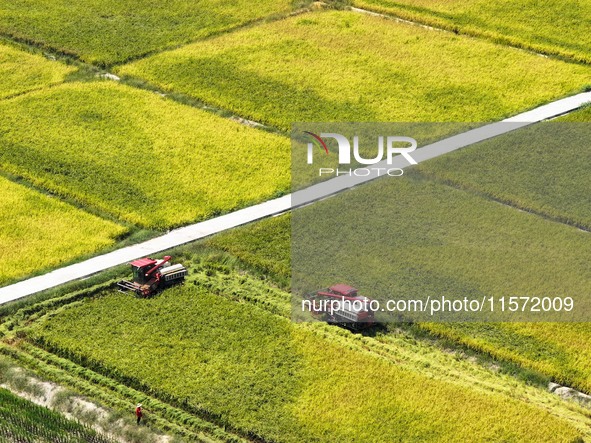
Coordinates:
(277, 206)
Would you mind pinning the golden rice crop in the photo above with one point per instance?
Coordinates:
(22, 71)
(38, 232)
(136, 155)
(344, 66)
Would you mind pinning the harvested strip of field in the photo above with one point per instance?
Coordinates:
(548, 26)
(111, 31)
(39, 232)
(22, 71)
(138, 156)
(263, 375)
(343, 66)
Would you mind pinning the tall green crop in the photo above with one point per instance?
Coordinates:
(24, 422)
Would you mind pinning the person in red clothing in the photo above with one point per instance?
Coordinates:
(138, 412)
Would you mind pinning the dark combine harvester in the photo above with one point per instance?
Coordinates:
(351, 311)
(151, 276)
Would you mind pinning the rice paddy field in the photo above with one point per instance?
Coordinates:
(342, 66)
(271, 379)
(542, 169)
(26, 422)
(88, 164)
(549, 26)
(39, 232)
(137, 156)
(461, 243)
(526, 171)
(108, 31)
(22, 71)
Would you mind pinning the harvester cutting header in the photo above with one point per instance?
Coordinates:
(151, 276)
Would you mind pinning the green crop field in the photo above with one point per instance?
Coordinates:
(24, 422)
(558, 350)
(343, 66)
(272, 379)
(38, 231)
(109, 31)
(264, 246)
(543, 168)
(22, 71)
(441, 241)
(138, 156)
(548, 26)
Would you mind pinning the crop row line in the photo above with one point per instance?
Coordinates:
(88, 382)
(433, 176)
(405, 15)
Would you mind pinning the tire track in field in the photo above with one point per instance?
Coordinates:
(283, 204)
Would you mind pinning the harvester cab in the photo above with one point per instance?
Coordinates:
(151, 275)
(341, 304)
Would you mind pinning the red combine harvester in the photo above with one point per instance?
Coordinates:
(342, 305)
(151, 276)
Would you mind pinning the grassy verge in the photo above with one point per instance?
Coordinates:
(342, 66)
(137, 156)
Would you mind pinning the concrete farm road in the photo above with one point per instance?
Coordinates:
(279, 205)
